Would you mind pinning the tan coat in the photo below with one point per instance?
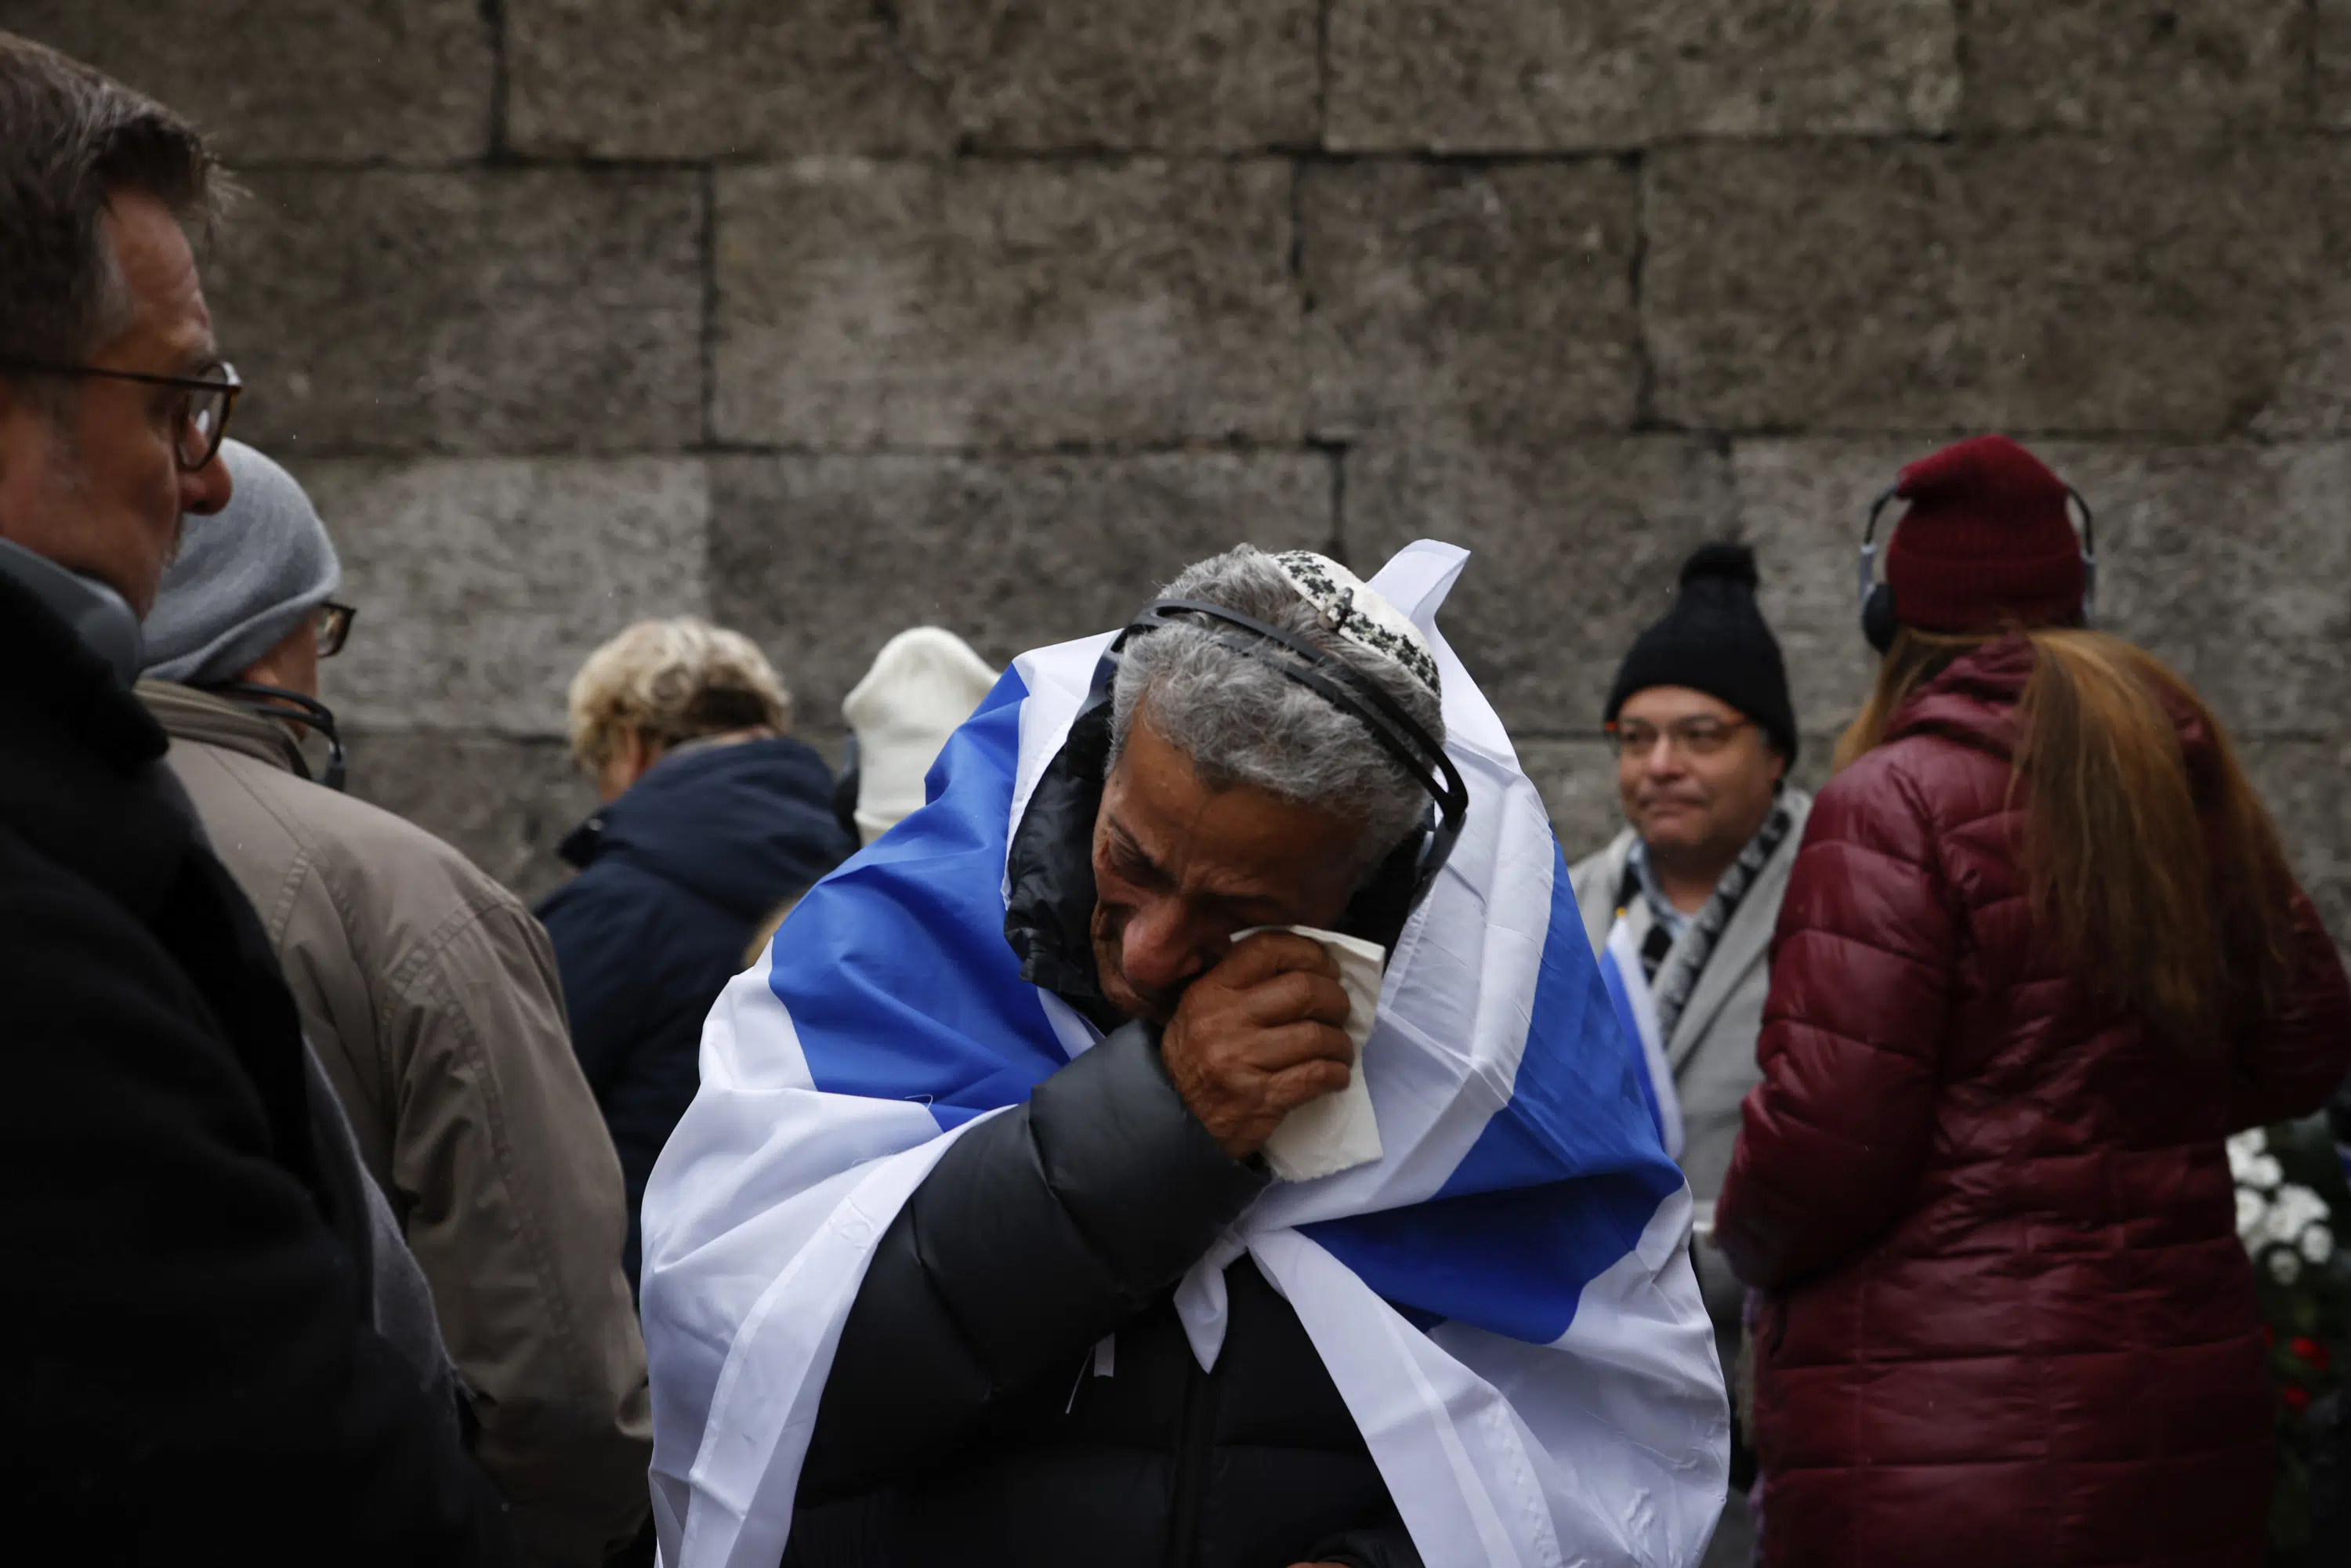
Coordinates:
(430, 996)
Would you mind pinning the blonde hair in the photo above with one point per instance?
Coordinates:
(2164, 880)
(673, 681)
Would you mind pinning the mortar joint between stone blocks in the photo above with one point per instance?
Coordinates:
(1334, 451)
(894, 34)
(2311, 97)
(709, 336)
(1645, 373)
(1963, 65)
(494, 17)
(1323, 74)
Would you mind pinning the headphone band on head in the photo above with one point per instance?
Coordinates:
(1345, 688)
(1878, 616)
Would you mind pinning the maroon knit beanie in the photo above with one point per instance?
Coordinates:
(1987, 540)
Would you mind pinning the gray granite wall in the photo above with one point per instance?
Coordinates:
(829, 317)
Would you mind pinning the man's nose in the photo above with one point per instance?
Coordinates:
(1665, 759)
(208, 490)
(1159, 950)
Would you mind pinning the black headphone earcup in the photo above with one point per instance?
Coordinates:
(1104, 683)
(1878, 619)
(1381, 907)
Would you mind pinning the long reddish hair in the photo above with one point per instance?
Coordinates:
(2171, 891)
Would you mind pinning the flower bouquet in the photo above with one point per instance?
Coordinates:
(2291, 1206)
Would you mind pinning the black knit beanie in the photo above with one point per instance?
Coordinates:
(1713, 640)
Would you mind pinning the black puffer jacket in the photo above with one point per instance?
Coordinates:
(974, 1414)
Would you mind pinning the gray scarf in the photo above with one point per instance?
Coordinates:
(1686, 962)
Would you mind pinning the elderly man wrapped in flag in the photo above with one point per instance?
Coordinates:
(1199, 1136)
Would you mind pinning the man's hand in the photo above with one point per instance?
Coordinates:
(1259, 1035)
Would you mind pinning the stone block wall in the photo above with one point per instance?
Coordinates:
(832, 317)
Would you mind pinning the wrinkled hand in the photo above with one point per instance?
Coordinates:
(1259, 1035)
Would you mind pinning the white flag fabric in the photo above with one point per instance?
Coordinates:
(1504, 1298)
(1636, 1015)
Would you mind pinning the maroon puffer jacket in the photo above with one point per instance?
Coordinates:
(2008, 1322)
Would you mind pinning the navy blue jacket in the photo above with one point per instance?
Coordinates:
(675, 877)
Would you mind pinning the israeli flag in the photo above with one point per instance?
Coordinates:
(1504, 1298)
(1636, 1014)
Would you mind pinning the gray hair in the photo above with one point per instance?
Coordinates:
(1241, 721)
(70, 141)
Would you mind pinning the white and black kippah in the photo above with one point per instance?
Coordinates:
(1352, 607)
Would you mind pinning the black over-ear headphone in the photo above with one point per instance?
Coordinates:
(1880, 618)
(1405, 877)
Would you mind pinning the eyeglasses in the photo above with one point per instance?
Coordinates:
(333, 625)
(202, 423)
(1690, 737)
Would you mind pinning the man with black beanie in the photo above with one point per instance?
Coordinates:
(1682, 903)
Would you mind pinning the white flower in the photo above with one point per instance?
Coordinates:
(2243, 1147)
(2294, 1209)
(2253, 1210)
(2263, 1171)
(2318, 1244)
(2286, 1266)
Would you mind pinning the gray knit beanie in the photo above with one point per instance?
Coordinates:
(246, 576)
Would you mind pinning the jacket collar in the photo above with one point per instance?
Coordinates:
(1745, 939)
(723, 817)
(1049, 873)
(187, 714)
(1973, 700)
(580, 847)
(76, 767)
(46, 665)
(681, 766)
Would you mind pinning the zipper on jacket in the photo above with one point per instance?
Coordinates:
(1194, 1440)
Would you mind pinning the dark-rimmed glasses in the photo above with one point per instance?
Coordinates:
(202, 423)
(1690, 737)
(333, 625)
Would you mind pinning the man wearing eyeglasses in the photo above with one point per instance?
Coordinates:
(1682, 903)
(198, 1372)
(116, 395)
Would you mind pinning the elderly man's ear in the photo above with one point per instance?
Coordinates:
(292, 665)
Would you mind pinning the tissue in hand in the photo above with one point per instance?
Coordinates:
(1336, 1132)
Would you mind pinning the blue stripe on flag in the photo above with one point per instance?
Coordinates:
(1577, 1107)
(1575, 1157)
(1513, 1262)
(895, 967)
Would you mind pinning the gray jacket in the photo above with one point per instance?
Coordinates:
(391, 1281)
(1712, 1049)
